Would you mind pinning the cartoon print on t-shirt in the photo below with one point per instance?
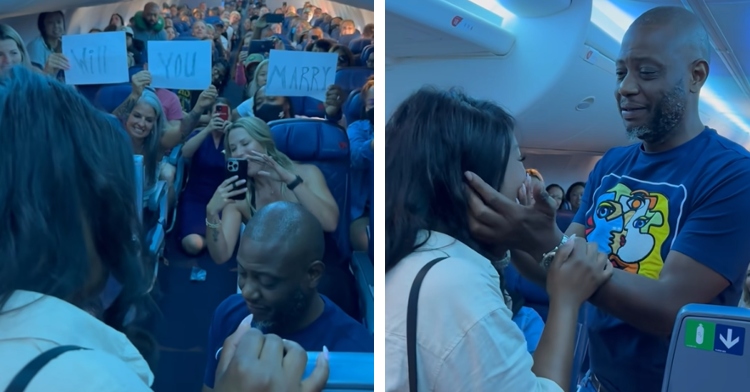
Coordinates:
(631, 221)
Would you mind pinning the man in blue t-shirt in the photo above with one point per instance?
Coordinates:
(279, 268)
(670, 213)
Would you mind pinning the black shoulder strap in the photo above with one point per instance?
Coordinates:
(24, 377)
(411, 323)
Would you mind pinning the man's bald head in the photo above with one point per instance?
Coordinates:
(151, 13)
(291, 224)
(151, 7)
(687, 30)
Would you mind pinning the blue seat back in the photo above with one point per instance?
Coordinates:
(347, 39)
(89, 91)
(564, 219)
(348, 371)
(352, 78)
(308, 106)
(353, 107)
(185, 37)
(371, 231)
(358, 45)
(536, 297)
(709, 350)
(580, 357)
(325, 145)
(111, 96)
(212, 20)
(366, 52)
(139, 167)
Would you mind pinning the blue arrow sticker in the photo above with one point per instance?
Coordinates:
(729, 339)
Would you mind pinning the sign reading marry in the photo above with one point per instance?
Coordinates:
(100, 58)
(180, 65)
(300, 74)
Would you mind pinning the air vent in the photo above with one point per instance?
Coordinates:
(585, 104)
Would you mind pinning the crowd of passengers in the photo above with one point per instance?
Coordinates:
(286, 277)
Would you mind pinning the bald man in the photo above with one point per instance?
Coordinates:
(671, 211)
(149, 24)
(279, 265)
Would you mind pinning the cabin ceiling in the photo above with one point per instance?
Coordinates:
(13, 8)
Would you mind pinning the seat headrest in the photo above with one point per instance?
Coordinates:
(352, 78)
(359, 44)
(353, 107)
(304, 139)
(185, 37)
(111, 96)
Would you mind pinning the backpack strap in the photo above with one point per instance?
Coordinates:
(411, 323)
(24, 377)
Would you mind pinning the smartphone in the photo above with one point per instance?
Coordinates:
(274, 18)
(261, 46)
(237, 167)
(223, 111)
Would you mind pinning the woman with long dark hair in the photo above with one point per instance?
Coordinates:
(465, 338)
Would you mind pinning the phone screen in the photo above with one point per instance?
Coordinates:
(223, 111)
(274, 18)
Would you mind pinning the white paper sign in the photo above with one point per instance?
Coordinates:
(300, 74)
(180, 64)
(100, 58)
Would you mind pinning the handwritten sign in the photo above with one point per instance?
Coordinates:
(180, 64)
(300, 74)
(100, 58)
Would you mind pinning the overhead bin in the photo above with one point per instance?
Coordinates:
(12, 8)
(441, 29)
(534, 9)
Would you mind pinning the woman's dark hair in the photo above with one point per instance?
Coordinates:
(286, 100)
(433, 138)
(122, 20)
(40, 22)
(553, 186)
(111, 28)
(69, 203)
(570, 189)
(348, 55)
(323, 44)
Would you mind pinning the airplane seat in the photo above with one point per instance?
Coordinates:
(353, 107)
(156, 204)
(181, 27)
(308, 106)
(359, 44)
(325, 145)
(707, 349)
(185, 37)
(89, 91)
(352, 78)
(135, 69)
(348, 372)
(212, 20)
(347, 39)
(175, 159)
(109, 97)
(363, 267)
(366, 52)
(535, 297)
(564, 219)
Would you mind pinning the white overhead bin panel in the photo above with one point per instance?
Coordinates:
(12, 8)
(437, 28)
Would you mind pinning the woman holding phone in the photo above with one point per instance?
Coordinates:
(271, 177)
(204, 148)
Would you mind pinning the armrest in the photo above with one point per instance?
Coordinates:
(175, 159)
(348, 371)
(364, 276)
(175, 155)
(155, 195)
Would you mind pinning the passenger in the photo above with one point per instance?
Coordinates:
(204, 148)
(272, 177)
(573, 196)
(361, 144)
(149, 25)
(347, 27)
(71, 234)
(280, 266)
(434, 138)
(675, 205)
(117, 20)
(45, 51)
(12, 49)
(557, 193)
(322, 45)
(269, 108)
(200, 29)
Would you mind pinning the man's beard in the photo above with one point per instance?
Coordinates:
(667, 115)
(284, 315)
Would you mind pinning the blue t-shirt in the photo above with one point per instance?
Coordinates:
(639, 206)
(333, 329)
(362, 157)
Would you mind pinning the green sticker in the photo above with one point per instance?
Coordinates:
(700, 334)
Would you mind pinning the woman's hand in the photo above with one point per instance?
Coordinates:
(271, 168)
(577, 271)
(334, 99)
(55, 63)
(228, 189)
(253, 362)
(139, 82)
(527, 224)
(217, 123)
